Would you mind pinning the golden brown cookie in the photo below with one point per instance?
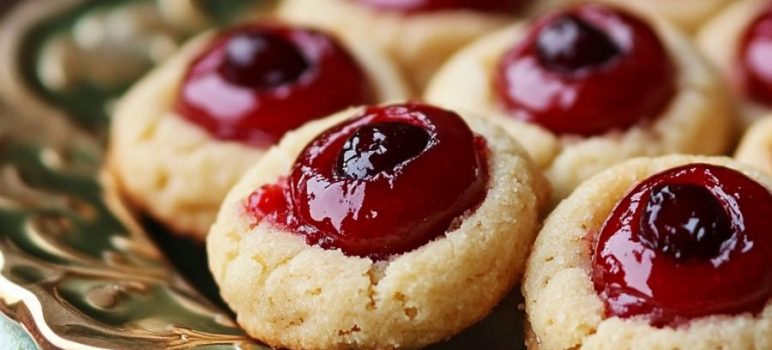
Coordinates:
(178, 163)
(656, 253)
(577, 118)
(307, 265)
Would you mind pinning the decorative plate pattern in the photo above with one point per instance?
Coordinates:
(77, 269)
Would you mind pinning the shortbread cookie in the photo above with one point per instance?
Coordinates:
(656, 253)
(737, 41)
(419, 35)
(587, 87)
(377, 228)
(184, 134)
(756, 146)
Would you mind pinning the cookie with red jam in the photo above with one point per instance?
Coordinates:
(656, 253)
(739, 42)
(419, 34)
(379, 227)
(587, 87)
(184, 134)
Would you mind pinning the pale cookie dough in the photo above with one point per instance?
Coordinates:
(720, 39)
(420, 43)
(289, 294)
(697, 120)
(756, 146)
(563, 308)
(174, 169)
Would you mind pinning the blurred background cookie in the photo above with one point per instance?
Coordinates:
(687, 15)
(738, 41)
(756, 145)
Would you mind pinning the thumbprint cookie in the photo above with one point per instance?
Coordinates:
(587, 87)
(183, 135)
(656, 253)
(739, 42)
(379, 227)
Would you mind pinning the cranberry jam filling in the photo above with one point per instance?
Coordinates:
(418, 6)
(256, 82)
(756, 58)
(688, 242)
(586, 71)
(383, 183)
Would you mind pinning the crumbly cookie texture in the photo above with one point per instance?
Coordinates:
(756, 146)
(289, 294)
(697, 121)
(420, 43)
(719, 40)
(563, 308)
(175, 170)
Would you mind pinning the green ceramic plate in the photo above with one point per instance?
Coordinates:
(77, 269)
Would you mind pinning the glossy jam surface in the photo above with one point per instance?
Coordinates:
(684, 221)
(418, 6)
(262, 61)
(689, 242)
(756, 58)
(586, 71)
(570, 44)
(380, 148)
(381, 184)
(254, 83)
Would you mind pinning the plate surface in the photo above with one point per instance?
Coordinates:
(77, 269)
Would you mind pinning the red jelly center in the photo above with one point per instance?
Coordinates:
(571, 44)
(567, 73)
(684, 221)
(756, 59)
(254, 83)
(262, 61)
(417, 6)
(383, 183)
(689, 242)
